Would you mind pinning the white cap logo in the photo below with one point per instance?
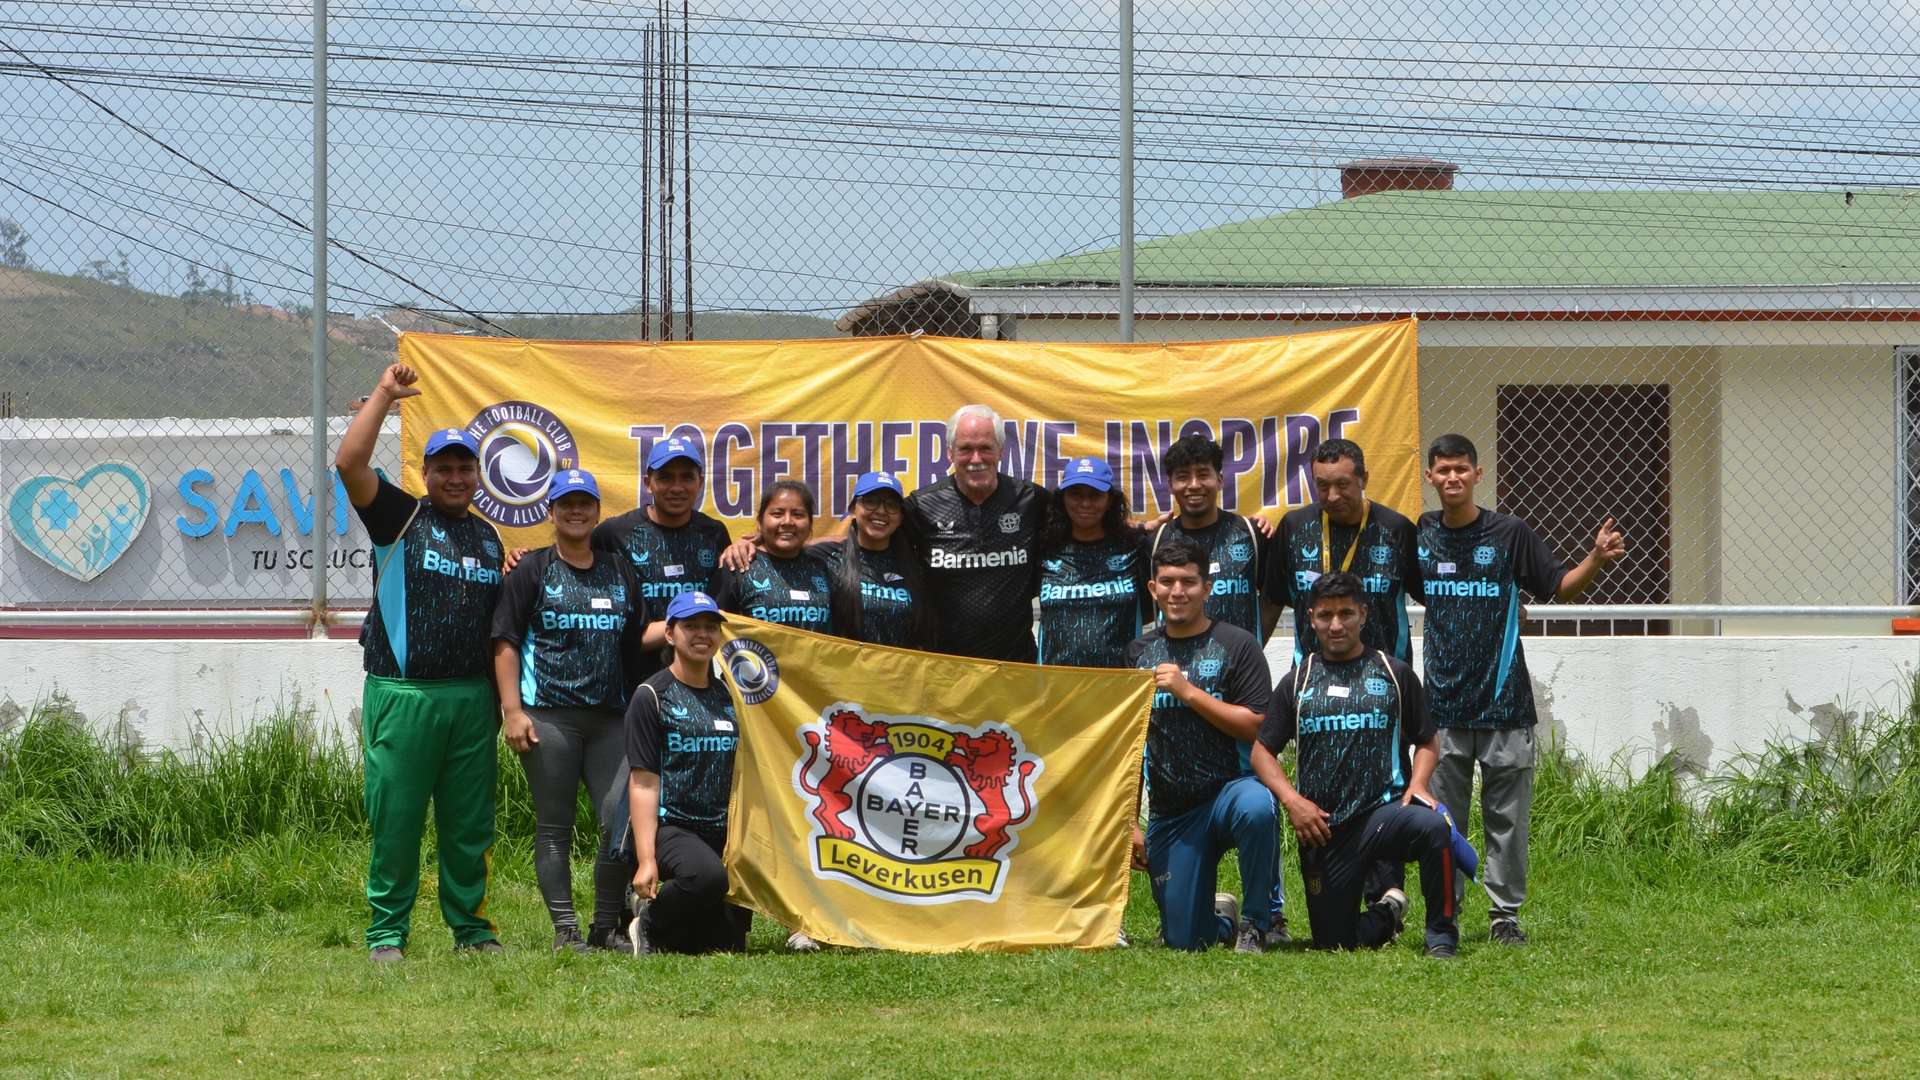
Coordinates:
(574, 476)
(1085, 466)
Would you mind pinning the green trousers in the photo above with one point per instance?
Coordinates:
(429, 739)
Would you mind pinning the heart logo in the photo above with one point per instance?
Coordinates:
(82, 526)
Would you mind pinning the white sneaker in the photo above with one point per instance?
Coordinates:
(1227, 906)
(1122, 941)
(799, 942)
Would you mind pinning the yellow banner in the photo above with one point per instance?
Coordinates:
(825, 411)
(899, 800)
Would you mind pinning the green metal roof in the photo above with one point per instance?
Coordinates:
(1441, 239)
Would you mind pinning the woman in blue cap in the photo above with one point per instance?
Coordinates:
(879, 591)
(682, 735)
(1093, 571)
(568, 623)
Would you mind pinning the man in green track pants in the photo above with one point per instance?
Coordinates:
(429, 716)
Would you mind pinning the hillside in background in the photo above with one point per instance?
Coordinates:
(76, 347)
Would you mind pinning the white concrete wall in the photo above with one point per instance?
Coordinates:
(1708, 697)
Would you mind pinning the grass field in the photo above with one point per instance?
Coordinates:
(174, 919)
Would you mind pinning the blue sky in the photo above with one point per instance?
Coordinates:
(489, 151)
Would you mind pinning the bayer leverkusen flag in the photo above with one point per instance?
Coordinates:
(903, 800)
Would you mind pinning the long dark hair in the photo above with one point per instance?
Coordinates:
(849, 618)
(1059, 530)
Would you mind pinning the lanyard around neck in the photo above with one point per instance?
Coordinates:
(1326, 540)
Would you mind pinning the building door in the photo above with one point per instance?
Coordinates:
(1571, 455)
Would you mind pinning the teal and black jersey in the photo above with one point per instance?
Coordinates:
(1093, 601)
(577, 630)
(792, 591)
(1384, 560)
(1356, 721)
(436, 580)
(1234, 559)
(1188, 759)
(886, 606)
(687, 737)
(1470, 581)
(666, 562)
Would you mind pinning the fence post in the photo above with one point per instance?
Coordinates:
(322, 467)
(1126, 170)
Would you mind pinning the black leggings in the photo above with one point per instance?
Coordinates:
(690, 914)
(578, 746)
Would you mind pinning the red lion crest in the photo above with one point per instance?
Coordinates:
(987, 762)
(852, 745)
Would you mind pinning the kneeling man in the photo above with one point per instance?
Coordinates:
(1355, 710)
(1211, 685)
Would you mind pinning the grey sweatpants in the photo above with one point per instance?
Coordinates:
(1505, 759)
(578, 746)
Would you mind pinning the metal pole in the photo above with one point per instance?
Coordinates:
(322, 465)
(1126, 170)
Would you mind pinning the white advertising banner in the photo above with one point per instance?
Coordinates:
(173, 513)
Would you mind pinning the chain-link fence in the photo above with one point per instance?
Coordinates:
(1663, 255)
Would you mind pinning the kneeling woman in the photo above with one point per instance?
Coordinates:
(680, 743)
(568, 619)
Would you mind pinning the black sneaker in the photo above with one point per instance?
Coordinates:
(637, 943)
(1394, 903)
(1442, 952)
(1507, 932)
(488, 947)
(1277, 936)
(609, 938)
(386, 954)
(567, 939)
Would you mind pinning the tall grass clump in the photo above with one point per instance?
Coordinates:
(1843, 806)
(1580, 811)
(69, 790)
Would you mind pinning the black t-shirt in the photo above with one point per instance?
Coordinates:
(1233, 546)
(790, 591)
(687, 737)
(666, 562)
(1470, 581)
(1356, 721)
(1093, 600)
(1384, 560)
(1188, 759)
(982, 565)
(436, 580)
(886, 607)
(577, 630)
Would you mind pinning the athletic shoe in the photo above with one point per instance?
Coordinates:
(799, 942)
(567, 939)
(1394, 901)
(1226, 908)
(488, 947)
(386, 954)
(609, 939)
(1441, 952)
(1278, 936)
(1507, 932)
(1122, 941)
(636, 939)
(1251, 939)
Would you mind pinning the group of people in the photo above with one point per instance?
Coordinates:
(593, 658)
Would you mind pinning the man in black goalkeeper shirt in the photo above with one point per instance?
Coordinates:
(980, 530)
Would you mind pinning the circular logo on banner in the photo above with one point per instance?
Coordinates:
(753, 668)
(522, 446)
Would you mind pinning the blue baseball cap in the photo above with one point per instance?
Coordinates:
(452, 438)
(875, 481)
(676, 447)
(689, 604)
(1465, 859)
(568, 481)
(1087, 472)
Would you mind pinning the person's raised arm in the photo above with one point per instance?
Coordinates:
(1609, 544)
(354, 459)
(1236, 720)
